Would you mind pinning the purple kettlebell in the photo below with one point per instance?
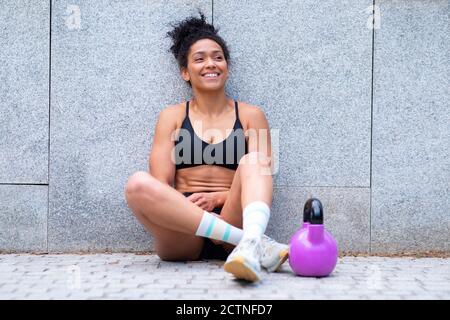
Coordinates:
(312, 250)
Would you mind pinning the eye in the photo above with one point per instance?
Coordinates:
(219, 57)
(199, 59)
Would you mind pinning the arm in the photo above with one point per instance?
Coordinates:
(259, 132)
(161, 165)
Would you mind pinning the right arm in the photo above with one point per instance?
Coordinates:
(160, 162)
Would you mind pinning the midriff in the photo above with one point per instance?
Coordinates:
(204, 178)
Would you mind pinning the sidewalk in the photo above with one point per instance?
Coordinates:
(132, 276)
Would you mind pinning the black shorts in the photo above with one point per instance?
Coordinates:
(211, 250)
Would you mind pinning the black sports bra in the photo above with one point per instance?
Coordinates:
(191, 151)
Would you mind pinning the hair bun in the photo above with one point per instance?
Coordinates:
(190, 30)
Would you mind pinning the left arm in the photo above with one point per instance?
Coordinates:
(259, 132)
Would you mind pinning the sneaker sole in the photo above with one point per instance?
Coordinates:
(284, 254)
(241, 270)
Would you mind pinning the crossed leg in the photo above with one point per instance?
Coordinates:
(173, 220)
(167, 215)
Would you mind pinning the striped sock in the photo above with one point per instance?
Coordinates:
(255, 218)
(215, 228)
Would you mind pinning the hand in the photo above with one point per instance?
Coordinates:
(205, 200)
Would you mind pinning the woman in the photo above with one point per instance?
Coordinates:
(208, 181)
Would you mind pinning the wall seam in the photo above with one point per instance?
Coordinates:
(212, 12)
(49, 117)
(371, 126)
(22, 184)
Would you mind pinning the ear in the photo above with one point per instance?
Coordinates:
(185, 74)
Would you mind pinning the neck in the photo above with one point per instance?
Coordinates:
(210, 103)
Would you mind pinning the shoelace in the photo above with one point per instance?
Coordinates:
(267, 239)
(252, 243)
(267, 245)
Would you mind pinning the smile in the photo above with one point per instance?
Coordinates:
(211, 75)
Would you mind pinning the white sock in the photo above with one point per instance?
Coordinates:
(215, 228)
(256, 216)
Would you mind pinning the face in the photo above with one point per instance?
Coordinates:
(206, 68)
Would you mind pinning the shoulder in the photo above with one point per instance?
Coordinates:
(249, 109)
(173, 115)
(251, 115)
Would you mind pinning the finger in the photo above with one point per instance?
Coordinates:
(210, 209)
(199, 203)
(193, 197)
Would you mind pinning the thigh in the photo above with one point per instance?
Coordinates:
(171, 245)
(232, 208)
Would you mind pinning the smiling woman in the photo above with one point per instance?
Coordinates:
(185, 48)
(208, 178)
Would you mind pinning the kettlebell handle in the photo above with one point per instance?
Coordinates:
(307, 211)
(313, 211)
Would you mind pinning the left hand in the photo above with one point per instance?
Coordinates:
(205, 200)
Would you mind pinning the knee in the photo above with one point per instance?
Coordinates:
(255, 158)
(141, 182)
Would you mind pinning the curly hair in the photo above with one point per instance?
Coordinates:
(189, 31)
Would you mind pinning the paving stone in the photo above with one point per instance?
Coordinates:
(356, 278)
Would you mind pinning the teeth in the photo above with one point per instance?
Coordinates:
(209, 75)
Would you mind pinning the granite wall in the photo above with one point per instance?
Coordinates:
(360, 107)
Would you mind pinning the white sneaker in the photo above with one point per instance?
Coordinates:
(244, 261)
(273, 254)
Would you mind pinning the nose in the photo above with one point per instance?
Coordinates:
(210, 62)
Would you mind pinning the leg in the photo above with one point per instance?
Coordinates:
(274, 254)
(250, 183)
(255, 180)
(167, 214)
